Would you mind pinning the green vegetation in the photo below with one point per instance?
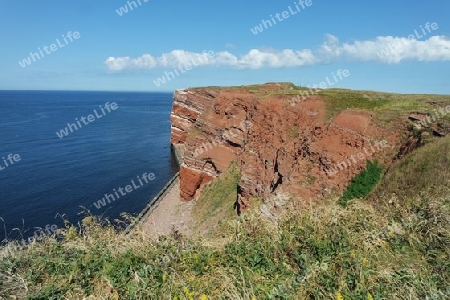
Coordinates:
(386, 106)
(364, 251)
(194, 132)
(293, 132)
(310, 179)
(339, 100)
(216, 202)
(265, 91)
(363, 183)
(426, 168)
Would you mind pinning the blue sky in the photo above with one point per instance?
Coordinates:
(129, 52)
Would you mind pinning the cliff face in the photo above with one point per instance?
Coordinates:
(280, 148)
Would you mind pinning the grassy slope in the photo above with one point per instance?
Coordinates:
(216, 203)
(427, 168)
(387, 106)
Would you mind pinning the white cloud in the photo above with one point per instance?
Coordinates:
(383, 49)
(257, 59)
(391, 50)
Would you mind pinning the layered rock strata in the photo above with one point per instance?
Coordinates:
(280, 148)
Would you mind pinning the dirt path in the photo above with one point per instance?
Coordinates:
(170, 214)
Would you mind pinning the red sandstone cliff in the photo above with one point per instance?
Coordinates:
(279, 147)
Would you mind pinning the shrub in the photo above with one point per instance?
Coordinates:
(363, 183)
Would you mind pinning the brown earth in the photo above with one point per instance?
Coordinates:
(170, 216)
(279, 147)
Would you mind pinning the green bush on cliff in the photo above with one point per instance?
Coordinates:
(363, 183)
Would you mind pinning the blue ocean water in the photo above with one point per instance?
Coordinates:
(55, 176)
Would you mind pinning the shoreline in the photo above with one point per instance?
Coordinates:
(171, 215)
(153, 204)
(158, 217)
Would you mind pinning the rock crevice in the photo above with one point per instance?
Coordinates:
(278, 147)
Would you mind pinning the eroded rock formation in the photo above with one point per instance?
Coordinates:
(279, 147)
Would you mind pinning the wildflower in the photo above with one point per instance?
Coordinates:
(203, 297)
(364, 262)
(369, 296)
(190, 295)
(164, 277)
(339, 296)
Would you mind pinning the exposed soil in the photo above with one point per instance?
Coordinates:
(170, 215)
(284, 148)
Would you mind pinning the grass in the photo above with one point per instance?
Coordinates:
(194, 132)
(216, 202)
(426, 168)
(358, 252)
(339, 100)
(293, 133)
(362, 184)
(387, 106)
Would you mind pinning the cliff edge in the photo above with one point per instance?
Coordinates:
(286, 139)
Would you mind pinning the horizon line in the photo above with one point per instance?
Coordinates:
(171, 91)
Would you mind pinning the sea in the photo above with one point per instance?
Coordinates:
(47, 179)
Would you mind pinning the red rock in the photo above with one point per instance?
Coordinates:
(278, 147)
